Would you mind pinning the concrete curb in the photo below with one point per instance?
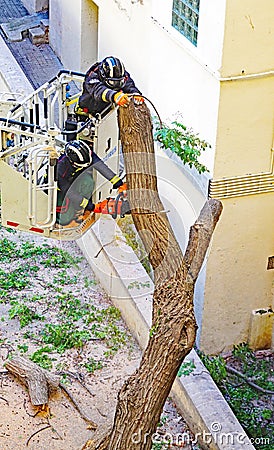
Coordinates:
(125, 280)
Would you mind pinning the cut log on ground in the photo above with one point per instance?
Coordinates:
(38, 380)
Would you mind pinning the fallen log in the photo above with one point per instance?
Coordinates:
(38, 380)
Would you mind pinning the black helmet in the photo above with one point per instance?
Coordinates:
(79, 153)
(112, 72)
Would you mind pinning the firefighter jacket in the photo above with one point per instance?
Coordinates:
(67, 174)
(96, 96)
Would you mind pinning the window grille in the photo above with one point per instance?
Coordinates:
(185, 17)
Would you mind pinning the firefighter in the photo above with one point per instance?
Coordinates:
(106, 83)
(75, 181)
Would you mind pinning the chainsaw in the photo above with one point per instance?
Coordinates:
(115, 207)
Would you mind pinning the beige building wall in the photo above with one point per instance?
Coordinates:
(237, 279)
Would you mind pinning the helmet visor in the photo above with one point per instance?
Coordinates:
(81, 165)
(116, 82)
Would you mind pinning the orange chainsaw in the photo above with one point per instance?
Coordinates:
(118, 206)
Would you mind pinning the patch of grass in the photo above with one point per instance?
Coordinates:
(23, 313)
(48, 256)
(17, 279)
(71, 307)
(7, 250)
(23, 348)
(104, 327)
(92, 364)
(253, 408)
(88, 282)
(64, 336)
(28, 250)
(59, 258)
(68, 322)
(42, 358)
(37, 298)
(62, 278)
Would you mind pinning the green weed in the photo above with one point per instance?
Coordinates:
(64, 336)
(138, 285)
(7, 250)
(71, 307)
(16, 279)
(62, 278)
(187, 367)
(23, 348)
(23, 313)
(252, 407)
(88, 282)
(59, 258)
(41, 357)
(92, 364)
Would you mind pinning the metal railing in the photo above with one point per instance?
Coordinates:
(34, 133)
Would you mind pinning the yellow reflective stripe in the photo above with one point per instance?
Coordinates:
(104, 95)
(84, 202)
(114, 179)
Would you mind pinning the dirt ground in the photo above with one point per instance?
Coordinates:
(92, 372)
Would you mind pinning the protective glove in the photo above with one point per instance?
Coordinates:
(116, 181)
(138, 99)
(121, 99)
(98, 207)
(122, 188)
(90, 206)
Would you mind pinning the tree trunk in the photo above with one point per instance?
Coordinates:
(173, 330)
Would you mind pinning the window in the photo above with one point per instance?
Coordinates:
(185, 17)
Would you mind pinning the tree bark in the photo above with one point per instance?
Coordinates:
(173, 330)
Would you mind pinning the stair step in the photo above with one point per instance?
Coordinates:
(38, 36)
(44, 24)
(17, 28)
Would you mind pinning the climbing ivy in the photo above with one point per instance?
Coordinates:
(182, 141)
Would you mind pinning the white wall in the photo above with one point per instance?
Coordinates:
(178, 77)
(34, 6)
(74, 32)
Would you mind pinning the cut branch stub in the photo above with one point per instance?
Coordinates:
(200, 235)
(38, 380)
